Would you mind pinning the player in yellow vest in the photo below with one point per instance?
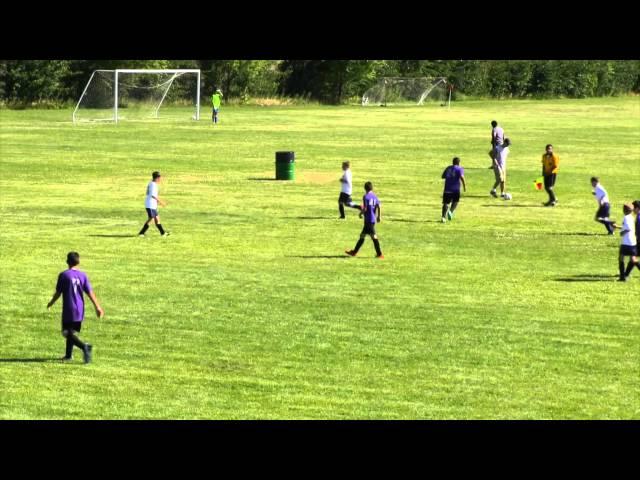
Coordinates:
(550, 162)
(215, 101)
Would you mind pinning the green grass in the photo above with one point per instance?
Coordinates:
(248, 311)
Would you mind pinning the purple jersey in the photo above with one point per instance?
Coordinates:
(71, 283)
(370, 201)
(452, 175)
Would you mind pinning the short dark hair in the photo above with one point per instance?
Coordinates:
(456, 161)
(494, 123)
(636, 203)
(595, 179)
(368, 186)
(346, 164)
(73, 259)
(627, 208)
(156, 175)
(548, 145)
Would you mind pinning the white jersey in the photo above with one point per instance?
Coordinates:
(152, 191)
(498, 135)
(601, 194)
(346, 183)
(629, 238)
(503, 152)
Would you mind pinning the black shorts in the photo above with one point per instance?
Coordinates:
(629, 250)
(368, 229)
(549, 180)
(75, 326)
(344, 198)
(603, 211)
(152, 212)
(448, 197)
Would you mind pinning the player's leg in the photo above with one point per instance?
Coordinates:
(341, 200)
(621, 263)
(156, 219)
(454, 203)
(145, 227)
(376, 244)
(446, 200)
(363, 234)
(496, 173)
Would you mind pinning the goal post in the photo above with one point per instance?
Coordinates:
(408, 91)
(138, 92)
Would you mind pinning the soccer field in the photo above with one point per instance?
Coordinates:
(251, 310)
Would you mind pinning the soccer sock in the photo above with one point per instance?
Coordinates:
(358, 245)
(69, 350)
(454, 206)
(76, 341)
(341, 209)
(621, 268)
(627, 272)
(444, 210)
(376, 243)
(160, 228)
(144, 229)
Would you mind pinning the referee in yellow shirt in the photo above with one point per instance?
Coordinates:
(550, 162)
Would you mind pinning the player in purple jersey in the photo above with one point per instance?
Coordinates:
(453, 175)
(636, 210)
(71, 284)
(371, 213)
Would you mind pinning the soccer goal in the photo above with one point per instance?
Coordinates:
(131, 94)
(408, 91)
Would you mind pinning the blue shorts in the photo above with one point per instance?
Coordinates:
(152, 212)
(603, 211)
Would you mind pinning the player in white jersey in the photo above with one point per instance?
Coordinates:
(151, 204)
(629, 243)
(345, 190)
(604, 206)
(500, 168)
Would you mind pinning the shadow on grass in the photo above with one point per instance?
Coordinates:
(318, 256)
(262, 179)
(406, 220)
(115, 235)
(581, 234)
(307, 218)
(587, 278)
(29, 360)
(513, 205)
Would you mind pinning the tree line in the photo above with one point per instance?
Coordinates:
(60, 82)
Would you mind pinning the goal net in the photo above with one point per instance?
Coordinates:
(408, 91)
(115, 95)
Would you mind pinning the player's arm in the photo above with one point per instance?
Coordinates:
(54, 299)
(378, 211)
(94, 300)
(464, 184)
(161, 202)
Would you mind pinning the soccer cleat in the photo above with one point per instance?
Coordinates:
(342, 217)
(165, 234)
(449, 214)
(66, 359)
(141, 235)
(554, 203)
(88, 353)
(381, 257)
(444, 220)
(493, 194)
(622, 279)
(351, 253)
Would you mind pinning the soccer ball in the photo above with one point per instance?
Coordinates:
(507, 196)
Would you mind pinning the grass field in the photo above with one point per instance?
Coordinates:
(250, 310)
